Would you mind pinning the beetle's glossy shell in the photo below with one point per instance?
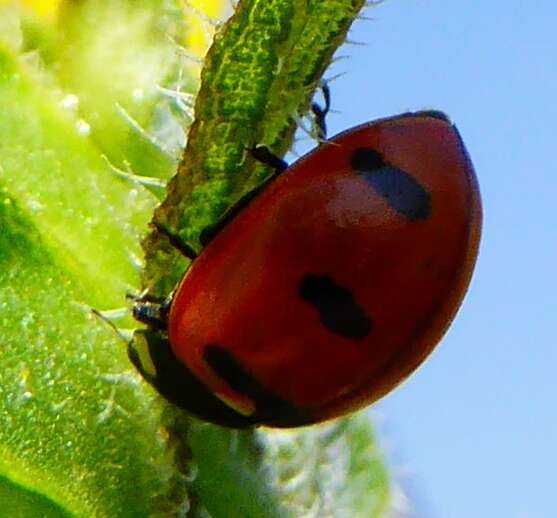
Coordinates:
(339, 278)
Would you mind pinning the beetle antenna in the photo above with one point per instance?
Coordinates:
(106, 316)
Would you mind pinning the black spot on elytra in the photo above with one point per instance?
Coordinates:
(270, 409)
(400, 189)
(338, 311)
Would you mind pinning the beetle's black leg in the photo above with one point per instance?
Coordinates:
(264, 155)
(176, 241)
(320, 112)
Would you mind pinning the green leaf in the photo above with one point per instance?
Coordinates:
(74, 414)
(16, 501)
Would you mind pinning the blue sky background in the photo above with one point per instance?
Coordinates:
(474, 430)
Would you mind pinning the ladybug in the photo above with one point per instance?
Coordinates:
(329, 287)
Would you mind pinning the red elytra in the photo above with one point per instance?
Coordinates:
(337, 280)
